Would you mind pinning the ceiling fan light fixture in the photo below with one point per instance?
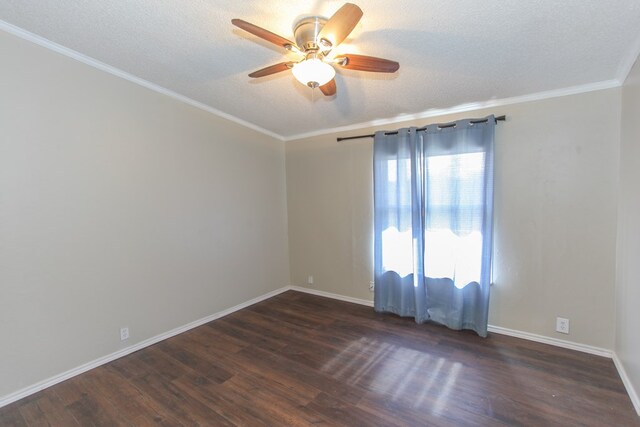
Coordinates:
(315, 37)
(313, 72)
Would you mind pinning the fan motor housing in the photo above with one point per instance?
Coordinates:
(306, 32)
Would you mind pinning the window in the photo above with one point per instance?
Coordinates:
(453, 222)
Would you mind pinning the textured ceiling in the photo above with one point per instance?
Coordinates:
(450, 52)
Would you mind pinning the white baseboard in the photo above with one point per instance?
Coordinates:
(633, 395)
(12, 397)
(332, 295)
(34, 388)
(495, 329)
(552, 341)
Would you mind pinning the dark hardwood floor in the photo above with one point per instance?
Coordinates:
(298, 359)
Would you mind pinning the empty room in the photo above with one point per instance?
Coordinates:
(295, 213)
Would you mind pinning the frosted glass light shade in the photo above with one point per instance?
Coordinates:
(313, 72)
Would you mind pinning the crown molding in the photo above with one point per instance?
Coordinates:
(472, 106)
(87, 60)
(627, 63)
(623, 71)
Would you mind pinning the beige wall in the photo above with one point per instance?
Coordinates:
(628, 277)
(555, 214)
(120, 206)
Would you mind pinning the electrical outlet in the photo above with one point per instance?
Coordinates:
(371, 286)
(124, 333)
(562, 325)
(310, 280)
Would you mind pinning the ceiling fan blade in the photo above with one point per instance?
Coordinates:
(367, 63)
(340, 25)
(329, 88)
(272, 69)
(262, 33)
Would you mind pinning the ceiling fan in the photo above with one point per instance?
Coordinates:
(315, 38)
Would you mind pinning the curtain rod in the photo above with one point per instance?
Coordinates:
(448, 125)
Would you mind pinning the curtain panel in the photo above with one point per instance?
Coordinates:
(433, 215)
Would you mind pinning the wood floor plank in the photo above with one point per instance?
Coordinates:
(175, 349)
(89, 411)
(125, 396)
(398, 414)
(324, 382)
(214, 340)
(10, 416)
(131, 366)
(288, 314)
(157, 413)
(69, 391)
(252, 337)
(33, 415)
(147, 420)
(348, 415)
(301, 360)
(54, 411)
(277, 411)
(185, 409)
(230, 405)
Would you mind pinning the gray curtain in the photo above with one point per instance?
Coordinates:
(433, 201)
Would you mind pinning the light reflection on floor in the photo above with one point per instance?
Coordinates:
(399, 372)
